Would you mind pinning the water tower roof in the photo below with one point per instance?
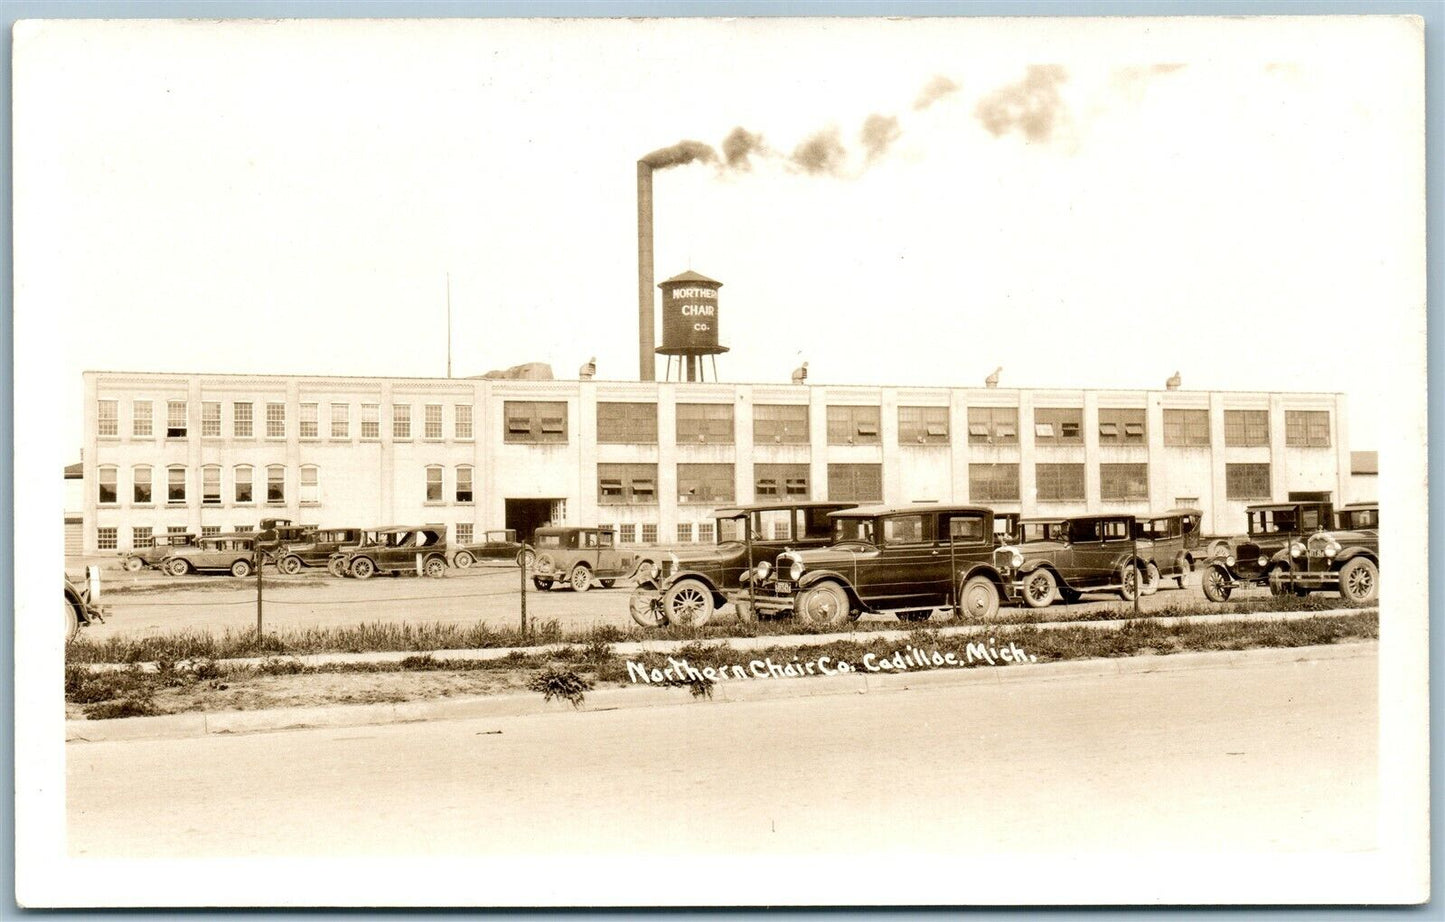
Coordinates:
(690, 276)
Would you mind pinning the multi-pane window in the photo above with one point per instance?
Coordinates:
(276, 484)
(370, 421)
(923, 425)
(105, 538)
(626, 483)
(1121, 427)
(627, 533)
(534, 421)
(464, 484)
(141, 537)
(432, 421)
(142, 483)
(464, 532)
(1123, 481)
(341, 420)
(993, 481)
(775, 481)
(705, 532)
(211, 419)
(1059, 482)
(142, 418)
(649, 533)
(1058, 426)
(780, 423)
(1186, 428)
(1307, 428)
(434, 483)
(848, 425)
(1246, 428)
(208, 531)
(211, 485)
(859, 483)
(310, 484)
(275, 420)
(1246, 481)
(705, 422)
(244, 493)
(684, 532)
(463, 421)
(241, 420)
(310, 426)
(176, 529)
(175, 419)
(705, 483)
(105, 478)
(107, 417)
(627, 423)
(244, 529)
(176, 484)
(401, 420)
(993, 425)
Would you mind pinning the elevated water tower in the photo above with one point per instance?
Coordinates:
(689, 325)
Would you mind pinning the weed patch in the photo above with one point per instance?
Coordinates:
(555, 682)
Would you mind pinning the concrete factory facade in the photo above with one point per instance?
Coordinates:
(210, 453)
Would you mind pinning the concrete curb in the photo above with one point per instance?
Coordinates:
(175, 726)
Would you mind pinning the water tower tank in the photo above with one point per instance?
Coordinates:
(690, 323)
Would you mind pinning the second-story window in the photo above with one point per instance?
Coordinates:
(627, 423)
(142, 419)
(1186, 428)
(401, 420)
(310, 427)
(340, 421)
(463, 421)
(370, 421)
(242, 422)
(1121, 427)
(1307, 428)
(107, 418)
(432, 422)
(993, 425)
(275, 420)
(211, 419)
(175, 419)
(849, 425)
(780, 423)
(1058, 426)
(923, 425)
(540, 421)
(705, 423)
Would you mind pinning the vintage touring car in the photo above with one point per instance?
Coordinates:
(1343, 559)
(397, 549)
(1074, 555)
(578, 557)
(1251, 559)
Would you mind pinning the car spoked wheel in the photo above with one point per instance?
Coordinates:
(134, 564)
(463, 560)
(241, 568)
(1129, 583)
(688, 603)
(580, 579)
(1039, 589)
(979, 598)
(363, 568)
(645, 607)
(526, 558)
(1151, 579)
(336, 566)
(435, 567)
(1359, 581)
(290, 565)
(1185, 569)
(1215, 583)
(178, 567)
(825, 603)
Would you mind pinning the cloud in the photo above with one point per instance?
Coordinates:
(1033, 106)
(879, 132)
(821, 154)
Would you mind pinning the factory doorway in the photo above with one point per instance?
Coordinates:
(528, 515)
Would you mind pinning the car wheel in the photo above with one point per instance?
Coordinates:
(541, 584)
(336, 566)
(290, 565)
(435, 567)
(1039, 588)
(1215, 582)
(978, 598)
(72, 620)
(1359, 581)
(1128, 582)
(580, 579)
(1151, 578)
(1276, 583)
(645, 607)
(823, 603)
(362, 568)
(134, 564)
(920, 614)
(687, 603)
(463, 560)
(526, 557)
(607, 583)
(241, 568)
(1186, 567)
(178, 567)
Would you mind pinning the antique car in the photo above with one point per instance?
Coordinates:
(233, 553)
(1249, 560)
(501, 544)
(579, 556)
(688, 589)
(273, 534)
(339, 561)
(1074, 555)
(397, 549)
(80, 610)
(1175, 545)
(904, 560)
(139, 558)
(1345, 559)
(314, 550)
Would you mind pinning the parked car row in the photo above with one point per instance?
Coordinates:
(1299, 548)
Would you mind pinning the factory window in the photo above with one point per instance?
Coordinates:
(993, 482)
(176, 484)
(626, 483)
(275, 420)
(534, 422)
(627, 423)
(310, 425)
(209, 531)
(1307, 428)
(464, 532)
(141, 537)
(993, 425)
(105, 539)
(705, 422)
(401, 421)
(684, 532)
(310, 485)
(704, 532)
(1186, 428)
(142, 483)
(211, 419)
(276, 484)
(773, 481)
(142, 419)
(241, 420)
(649, 533)
(464, 484)
(627, 534)
(432, 421)
(105, 477)
(860, 483)
(705, 483)
(1246, 428)
(1123, 481)
(1121, 427)
(107, 417)
(1058, 426)
(211, 485)
(175, 419)
(1246, 481)
(1059, 482)
(463, 421)
(923, 425)
(244, 529)
(243, 484)
(434, 483)
(849, 425)
(787, 424)
(370, 421)
(340, 421)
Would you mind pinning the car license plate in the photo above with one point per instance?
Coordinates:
(784, 586)
(1316, 553)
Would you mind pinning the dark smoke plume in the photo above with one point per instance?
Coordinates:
(679, 154)
(1032, 105)
(739, 146)
(934, 90)
(879, 131)
(821, 153)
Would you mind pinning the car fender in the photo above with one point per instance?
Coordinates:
(636, 577)
(1036, 565)
(814, 577)
(1353, 552)
(983, 569)
(717, 596)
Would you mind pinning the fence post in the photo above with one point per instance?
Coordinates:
(260, 558)
(522, 571)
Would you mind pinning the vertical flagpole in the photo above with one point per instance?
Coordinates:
(449, 324)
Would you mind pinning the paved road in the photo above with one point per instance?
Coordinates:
(1266, 758)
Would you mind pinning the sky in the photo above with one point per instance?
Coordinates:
(1088, 204)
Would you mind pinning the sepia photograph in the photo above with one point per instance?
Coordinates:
(429, 539)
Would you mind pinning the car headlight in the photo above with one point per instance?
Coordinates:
(1263, 560)
(1229, 561)
(764, 569)
(1296, 549)
(796, 570)
(1332, 547)
(1016, 558)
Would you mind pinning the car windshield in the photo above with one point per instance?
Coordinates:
(500, 537)
(1271, 521)
(773, 525)
(847, 529)
(731, 530)
(1360, 518)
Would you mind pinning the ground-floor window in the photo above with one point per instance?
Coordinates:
(627, 534)
(1123, 481)
(1059, 482)
(464, 532)
(684, 532)
(1246, 481)
(993, 482)
(649, 533)
(141, 537)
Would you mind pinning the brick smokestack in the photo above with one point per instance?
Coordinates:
(646, 326)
